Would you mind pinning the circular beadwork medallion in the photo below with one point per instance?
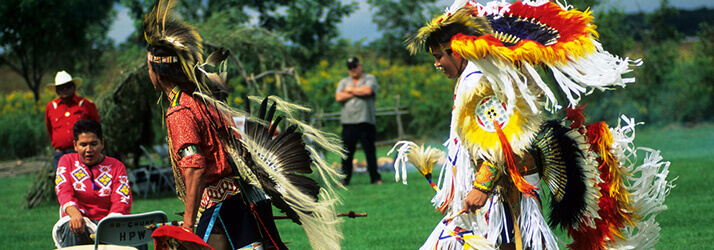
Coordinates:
(489, 109)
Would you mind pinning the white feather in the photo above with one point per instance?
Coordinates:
(646, 184)
(534, 229)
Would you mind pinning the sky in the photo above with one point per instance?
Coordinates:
(359, 26)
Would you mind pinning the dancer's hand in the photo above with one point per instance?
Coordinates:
(475, 200)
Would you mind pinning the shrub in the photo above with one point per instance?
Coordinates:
(23, 125)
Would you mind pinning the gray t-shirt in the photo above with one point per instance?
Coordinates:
(359, 109)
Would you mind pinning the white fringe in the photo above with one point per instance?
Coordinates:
(646, 184)
(401, 159)
(496, 218)
(535, 232)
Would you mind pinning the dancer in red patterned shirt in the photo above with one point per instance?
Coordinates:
(225, 176)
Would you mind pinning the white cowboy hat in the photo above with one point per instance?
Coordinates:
(63, 78)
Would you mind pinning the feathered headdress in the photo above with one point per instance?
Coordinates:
(162, 28)
(456, 18)
(526, 34)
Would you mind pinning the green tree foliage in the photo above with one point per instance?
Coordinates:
(23, 128)
(312, 26)
(309, 26)
(583, 4)
(704, 65)
(615, 35)
(398, 20)
(254, 51)
(195, 11)
(129, 112)
(38, 37)
(661, 27)
(657, 77)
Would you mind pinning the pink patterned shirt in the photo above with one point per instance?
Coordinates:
(96, 191)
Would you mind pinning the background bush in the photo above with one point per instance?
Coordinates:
(23, 132)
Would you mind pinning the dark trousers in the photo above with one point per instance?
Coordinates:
(70, 239)
(59, 153)
(241, 224)
(366, 134)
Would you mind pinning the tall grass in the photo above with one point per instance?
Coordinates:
(401, 217)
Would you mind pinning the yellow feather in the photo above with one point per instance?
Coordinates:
(462, 16)
(521, 126)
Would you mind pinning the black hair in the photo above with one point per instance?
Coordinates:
(171, 71)
(87, 126)
(444, 35)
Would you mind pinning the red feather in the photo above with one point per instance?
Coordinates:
(522, 185)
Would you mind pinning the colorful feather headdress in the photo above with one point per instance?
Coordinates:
(162, 28)
(519, 36)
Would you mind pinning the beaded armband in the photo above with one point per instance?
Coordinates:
(189, 150)
(486, 177)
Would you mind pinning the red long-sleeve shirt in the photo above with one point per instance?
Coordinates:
(61, 116)
(96, 193)
(188, 125)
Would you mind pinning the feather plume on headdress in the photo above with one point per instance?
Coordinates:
(162, 28)
(525, 34)
(456, 15)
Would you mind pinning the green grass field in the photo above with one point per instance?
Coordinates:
(401, 217)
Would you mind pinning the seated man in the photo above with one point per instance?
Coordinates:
(89, 186)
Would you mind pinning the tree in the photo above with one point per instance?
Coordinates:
(397, 20)
(254, 51)
(616, 35)
(195, 11)
(660, 21)
(40, 36)
(308, 25)
(583, 4)
(311, 26)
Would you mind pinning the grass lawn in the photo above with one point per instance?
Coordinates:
(401, 217)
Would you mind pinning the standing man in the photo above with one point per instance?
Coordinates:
(63, 112)
(357, 94)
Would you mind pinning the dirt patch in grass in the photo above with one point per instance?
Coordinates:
(20, 167)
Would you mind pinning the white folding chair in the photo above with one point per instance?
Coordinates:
(160, 175)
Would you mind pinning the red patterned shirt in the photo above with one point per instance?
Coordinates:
(60, 118)
(190, 122)
(96, 191)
